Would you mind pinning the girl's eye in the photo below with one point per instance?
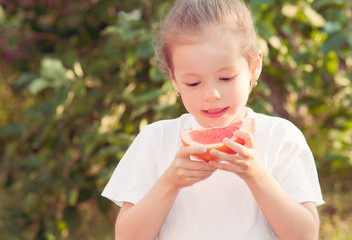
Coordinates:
(225, 79)
(192, 84)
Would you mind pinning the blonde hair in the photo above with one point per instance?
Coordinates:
(188, 21)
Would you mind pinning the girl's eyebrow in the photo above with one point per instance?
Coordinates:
(192, 74)
(230, 67)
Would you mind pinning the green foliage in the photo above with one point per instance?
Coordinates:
(308, 71)
(78, 81)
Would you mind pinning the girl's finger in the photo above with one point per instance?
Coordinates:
(186, 162)
(246, 136)
(221, 156)
(225, 166)
(242, 151)
(186, 152)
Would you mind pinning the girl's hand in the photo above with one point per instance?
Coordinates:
(185, 172)
(245, 163)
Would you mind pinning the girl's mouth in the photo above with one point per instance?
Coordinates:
(216, 112)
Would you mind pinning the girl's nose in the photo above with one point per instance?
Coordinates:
(210, 94)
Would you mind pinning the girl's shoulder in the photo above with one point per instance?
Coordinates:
(275, 125)
(269, 120)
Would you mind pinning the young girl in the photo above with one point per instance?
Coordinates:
(269, 190)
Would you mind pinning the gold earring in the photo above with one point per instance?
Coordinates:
(178, 94)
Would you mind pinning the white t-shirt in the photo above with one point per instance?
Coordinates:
(221, 206)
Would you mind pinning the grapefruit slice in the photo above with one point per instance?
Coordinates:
(211, 138)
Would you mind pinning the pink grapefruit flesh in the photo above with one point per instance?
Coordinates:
(211, 138)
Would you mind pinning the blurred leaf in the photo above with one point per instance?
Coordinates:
(150, 95)
(109, 150)
(38, 84)
(12, 131)
(156, 75)
(332, 63)
(52, 68)
(72, 218)
(261, 2)
(25, 78)
(61, 225)
(314, 17)
(333, 42)
(72, 196)
(30, 162)
(332, 27)
(2, 15)
(145, 50)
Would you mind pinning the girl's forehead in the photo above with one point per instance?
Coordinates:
(220, 36)
(216, 50)
(208, 33)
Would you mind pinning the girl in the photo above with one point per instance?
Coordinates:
(269, 190)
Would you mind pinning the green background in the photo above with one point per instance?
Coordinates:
(78, 81)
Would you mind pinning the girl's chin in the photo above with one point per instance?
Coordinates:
(219, 122)
(214, 123)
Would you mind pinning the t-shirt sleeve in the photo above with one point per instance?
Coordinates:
(136, 173)
(296, 170)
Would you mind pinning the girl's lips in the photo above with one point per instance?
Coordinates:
(215, 113)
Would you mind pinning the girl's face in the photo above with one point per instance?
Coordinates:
(213, 78)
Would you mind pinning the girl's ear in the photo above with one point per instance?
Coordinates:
(170, 73)
(173, 79)
(256, 65)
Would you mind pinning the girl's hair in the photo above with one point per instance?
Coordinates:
(188, 21)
